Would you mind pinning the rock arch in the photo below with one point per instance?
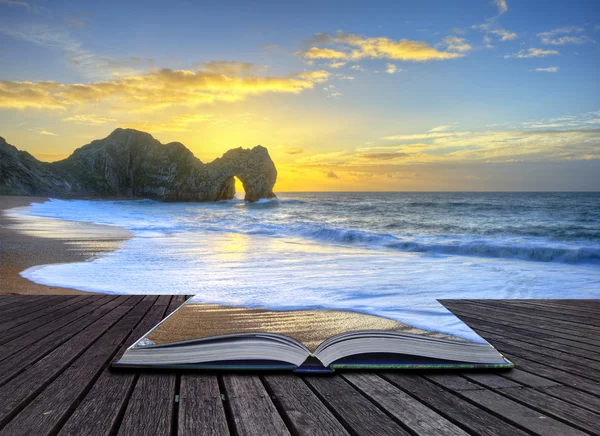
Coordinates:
(254, 168)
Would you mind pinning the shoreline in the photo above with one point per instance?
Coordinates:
(33, 241)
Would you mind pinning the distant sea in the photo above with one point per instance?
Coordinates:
(390, 254)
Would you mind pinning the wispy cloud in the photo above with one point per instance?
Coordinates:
(336, 64)
(503, 34)
(532, 53)
(15, 3)
(354, 47)
(563, 36)
(332, 175)
(455, 43)
(90, 120)
(442, 128)
(501, 5)
(42, 132)
(548, 70)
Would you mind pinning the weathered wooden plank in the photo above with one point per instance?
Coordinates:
(528, 379)
(150, 407)
(457, 410)
(581, 399)
(577, 332)
(303, 410)
(557, 374)
(252, 410)
(493, 381)
(101, 410)
(539, 312)
(526, 417)
(577, 365)
(408, 411)
(11, 301)
(539, 329)
(21, 389)
(353, 409)
(16, 339)
(29, 318)
(31, 308)
(521, 414)
(201, 409)
(7, 300)
(544, 345)
(28, 355)
(44, 415)
(572, 414)
(552, 311)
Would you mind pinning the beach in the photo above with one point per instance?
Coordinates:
(30, 241)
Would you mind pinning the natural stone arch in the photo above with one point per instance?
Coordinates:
(254, 168)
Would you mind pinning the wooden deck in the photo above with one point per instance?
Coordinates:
(55, 378)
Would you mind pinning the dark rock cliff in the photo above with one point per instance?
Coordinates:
(130, 163)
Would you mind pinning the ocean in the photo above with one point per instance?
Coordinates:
(390, 254)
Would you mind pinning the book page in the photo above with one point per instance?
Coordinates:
(309, 327)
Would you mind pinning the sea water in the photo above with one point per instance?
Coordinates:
(390, 254)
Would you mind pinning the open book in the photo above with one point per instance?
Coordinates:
(209, 336)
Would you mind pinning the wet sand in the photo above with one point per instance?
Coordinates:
(32, 241)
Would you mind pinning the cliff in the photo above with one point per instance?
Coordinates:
(130, 163)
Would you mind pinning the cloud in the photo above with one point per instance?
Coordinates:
(336, 64)
(556, 139)
(90, 120)
(503, 34)
(532, 53)
(442, 128)
(492, 33)
(158, 89)
(323, 53)
(15, 3)
(293, 151)
(548, 70)
(357, 68)
(391, 68)
(554, 36)
(391, 155)
(43, 132)
(54, 38)
(332, 175)
(455, 43)
(501, 5)
(357, 47)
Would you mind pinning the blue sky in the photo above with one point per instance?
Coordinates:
(390, 95)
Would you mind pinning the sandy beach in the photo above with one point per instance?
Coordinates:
(31, 241)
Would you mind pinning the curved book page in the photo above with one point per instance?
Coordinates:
(197, 333)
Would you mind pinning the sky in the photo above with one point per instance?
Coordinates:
(475, 95)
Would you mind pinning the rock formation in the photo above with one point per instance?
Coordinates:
(130, 163)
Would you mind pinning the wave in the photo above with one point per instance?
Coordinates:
(472, 247)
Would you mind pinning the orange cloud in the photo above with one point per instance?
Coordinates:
(161, 88)
(380, 47)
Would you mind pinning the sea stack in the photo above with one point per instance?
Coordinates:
(130, 163)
